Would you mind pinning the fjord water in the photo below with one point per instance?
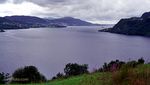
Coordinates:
(50, 49)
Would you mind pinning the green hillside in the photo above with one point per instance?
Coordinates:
(86, 79)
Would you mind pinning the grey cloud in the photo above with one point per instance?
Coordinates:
(43, 2)
(98, 10)
(18, 1)
(49, 2)
(2, 1)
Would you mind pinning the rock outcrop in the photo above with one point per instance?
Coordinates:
(132, 26)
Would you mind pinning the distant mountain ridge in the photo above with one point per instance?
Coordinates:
(26, 19)
(8, 24)
(19, 22)
(70, 21)
(132, 26)
(29, 21)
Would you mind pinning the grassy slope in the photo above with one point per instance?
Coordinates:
(87, 79)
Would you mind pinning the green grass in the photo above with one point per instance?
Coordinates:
(70, 81)
(96, 79)
(88, 79)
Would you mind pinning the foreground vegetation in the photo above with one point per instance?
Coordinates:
(113, 73)
(85, 79)
(137, 76)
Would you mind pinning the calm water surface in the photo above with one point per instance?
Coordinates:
(51, 49)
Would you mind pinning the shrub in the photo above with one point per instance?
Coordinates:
(58, 76)
(121, 76)
(112, 66)
(141, 61)
(131, 76)
(132, 64)
(4, 77)
(53, 78)
(116, 65)
(28, 74)
(75, 69)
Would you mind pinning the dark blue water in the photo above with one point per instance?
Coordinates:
(51, 49)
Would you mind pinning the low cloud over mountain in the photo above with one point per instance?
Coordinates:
(100, 11)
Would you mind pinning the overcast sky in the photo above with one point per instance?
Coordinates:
(97, 11)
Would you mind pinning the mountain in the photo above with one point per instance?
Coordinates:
(8, 24)
(132, 26)
(32, 22)
(36, 21)
(26, 19)
(70, 21)
(20, 22)
(29, 21)
(49, 18)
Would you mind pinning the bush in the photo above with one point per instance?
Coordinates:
(141, 61)
(116, 65)
(120, 77)
(4, 77)
(112, 66)
(131, 76)
(28, 74)
(75, 69)
(132, 64)
(58, 76)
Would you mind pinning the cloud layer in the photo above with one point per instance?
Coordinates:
(2, 1)
(91, 10)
